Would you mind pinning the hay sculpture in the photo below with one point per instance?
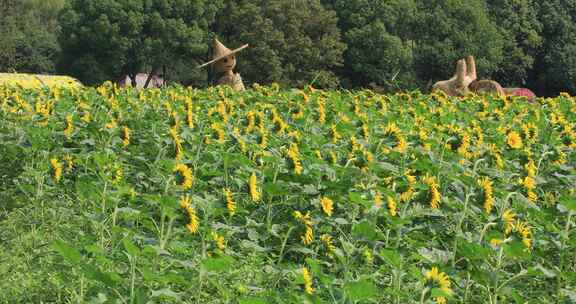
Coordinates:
(458, 84)
(464, 81)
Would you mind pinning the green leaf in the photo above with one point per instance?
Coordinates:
(388, 167)
(148, 274)
(516, 296)
(391, 258)
(99, 299)
(435, 256)
(141, 296)
(569, 202)
(314, 266)
(541, 270)
(360, 290)
(310, 190)
(218, 264)
(101, 159)
(87, 189)
(169, 205)
(236, 159)
(356, 197)
(516, 249)
(472, 251)
(437, 292)
(277, 188)
(132, 249)
(252, 300)
(425, 165)
(341, 221)
(570, 294)
(365, 230)
(165, 293)
(68, 252)
(93, 273)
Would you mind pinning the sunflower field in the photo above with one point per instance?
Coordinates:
(29, 81)
(183, 195)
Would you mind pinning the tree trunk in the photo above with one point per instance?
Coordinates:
(152, 73)
(164, 76)
(133, 80)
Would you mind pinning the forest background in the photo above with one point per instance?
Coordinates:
(387, 45)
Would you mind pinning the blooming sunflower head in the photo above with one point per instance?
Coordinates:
(488, 193)
(328, 243)
(441, 281)
(531, 168)
(125, 136)
(378, 199)
(56, 168)
(496, 242)
(514, 140)
(529, 183)
(185, 202)
(230, 203)
(294, 156)
(219, 240)
(508, 217)
(327, 205)
(434, 195)
(530, 131)
(308, 284)
(392, 207)
(184, 177)
(253, 185)
(523, 229)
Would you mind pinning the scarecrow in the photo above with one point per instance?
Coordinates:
(482, 87)
(464, 81)
(224, 61)
(458, 84)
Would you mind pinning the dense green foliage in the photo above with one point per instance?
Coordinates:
(103, 39)
(555, 67)
(29, 35)
(388, 45)
(292, 42)
(376, 54)
(285, 196)
(520, 27)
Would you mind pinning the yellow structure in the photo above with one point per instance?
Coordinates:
(29, 81)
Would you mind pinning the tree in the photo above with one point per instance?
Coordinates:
(106, 39)
(518, 23)
(28, 31)
(447, 30)
(378, 58)
(554, 69)
(379, 53)
(291, 42)
(404, 44)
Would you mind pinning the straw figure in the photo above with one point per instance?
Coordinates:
(458, 84)
(465, 81)
(224, 61)
(483, 87)
(492, 87)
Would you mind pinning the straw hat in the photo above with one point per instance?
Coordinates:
(221, 51)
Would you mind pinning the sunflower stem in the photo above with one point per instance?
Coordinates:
(423, 295)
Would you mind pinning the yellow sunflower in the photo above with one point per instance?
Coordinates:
(514, 140)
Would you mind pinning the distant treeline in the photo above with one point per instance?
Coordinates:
(386, 45)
